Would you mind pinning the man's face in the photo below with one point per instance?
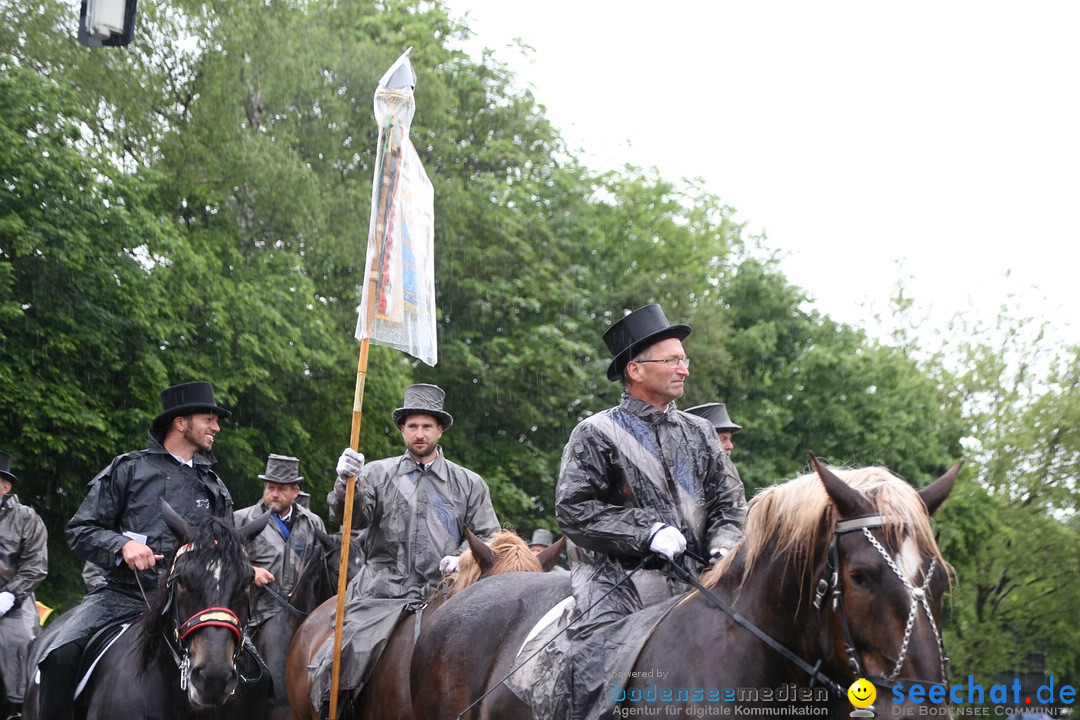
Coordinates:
(421, 434)
(199, 430)
(5, 487)
(659, 383)
(725, 441)
(279, 497)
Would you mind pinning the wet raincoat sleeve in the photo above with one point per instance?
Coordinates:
(591, 498)
(91, 532)
(24, 541)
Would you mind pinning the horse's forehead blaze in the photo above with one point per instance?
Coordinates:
(214, 568)
(221, 583)
(909, 560)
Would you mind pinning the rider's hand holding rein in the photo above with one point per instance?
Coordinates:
(138, 556)
(667, 541)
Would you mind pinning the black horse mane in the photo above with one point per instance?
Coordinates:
(212, 539)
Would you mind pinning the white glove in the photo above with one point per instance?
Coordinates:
(350, 464)
(667, 541)
(716, 554)
(449, 564)
(6, 601)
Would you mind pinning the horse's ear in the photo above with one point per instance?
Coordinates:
(178, 525)
(325, 540)
(253, 528)
(481, 552)
(849, 501)
(935, 493)
(551, 553)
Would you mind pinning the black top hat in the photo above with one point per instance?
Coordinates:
(5, 467)
(282, 469)
(423, 399)
(716, 413)
(637, 331)
(186, 399)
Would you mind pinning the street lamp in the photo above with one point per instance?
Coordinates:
(106, 22)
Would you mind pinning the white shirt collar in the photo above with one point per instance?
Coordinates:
(182, 461)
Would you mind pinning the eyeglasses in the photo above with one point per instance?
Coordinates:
(671, 362)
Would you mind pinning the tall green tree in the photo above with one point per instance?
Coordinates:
(80, 366)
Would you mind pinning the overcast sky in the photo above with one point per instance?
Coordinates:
(944, 136)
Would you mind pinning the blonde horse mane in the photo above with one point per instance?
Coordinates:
(512, 554)
(797, 519)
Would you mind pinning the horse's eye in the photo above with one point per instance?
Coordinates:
(860, 579)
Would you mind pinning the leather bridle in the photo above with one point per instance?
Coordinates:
(919, 596)
(179, 644)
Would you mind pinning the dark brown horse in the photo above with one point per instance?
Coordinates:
(178, 659)
(387, 694)
(315, 583)
(831, 561)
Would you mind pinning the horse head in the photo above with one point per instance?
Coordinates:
(199, 611)
(505, 552)
(883, 578)
(318, 578)
(842, 566)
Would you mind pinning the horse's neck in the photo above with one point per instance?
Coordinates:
(772, 598)
(313, 586)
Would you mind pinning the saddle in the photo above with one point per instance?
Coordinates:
(95, 648)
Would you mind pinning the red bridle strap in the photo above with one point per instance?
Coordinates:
(212, 617)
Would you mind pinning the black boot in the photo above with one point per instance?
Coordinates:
(56, 691)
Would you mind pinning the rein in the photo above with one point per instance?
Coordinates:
(284, 602)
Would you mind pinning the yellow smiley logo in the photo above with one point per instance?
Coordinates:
(862, 693)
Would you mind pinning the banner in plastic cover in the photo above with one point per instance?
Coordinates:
(397, 308)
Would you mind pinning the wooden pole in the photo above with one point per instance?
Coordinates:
(346, 527)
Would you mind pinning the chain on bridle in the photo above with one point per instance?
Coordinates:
(919, 596)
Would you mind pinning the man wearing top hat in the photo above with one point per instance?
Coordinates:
(24, 563)
(278, 552)
(717, 414)
(640, 484)
(541, 540)
(120, 527)
(416, 507)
